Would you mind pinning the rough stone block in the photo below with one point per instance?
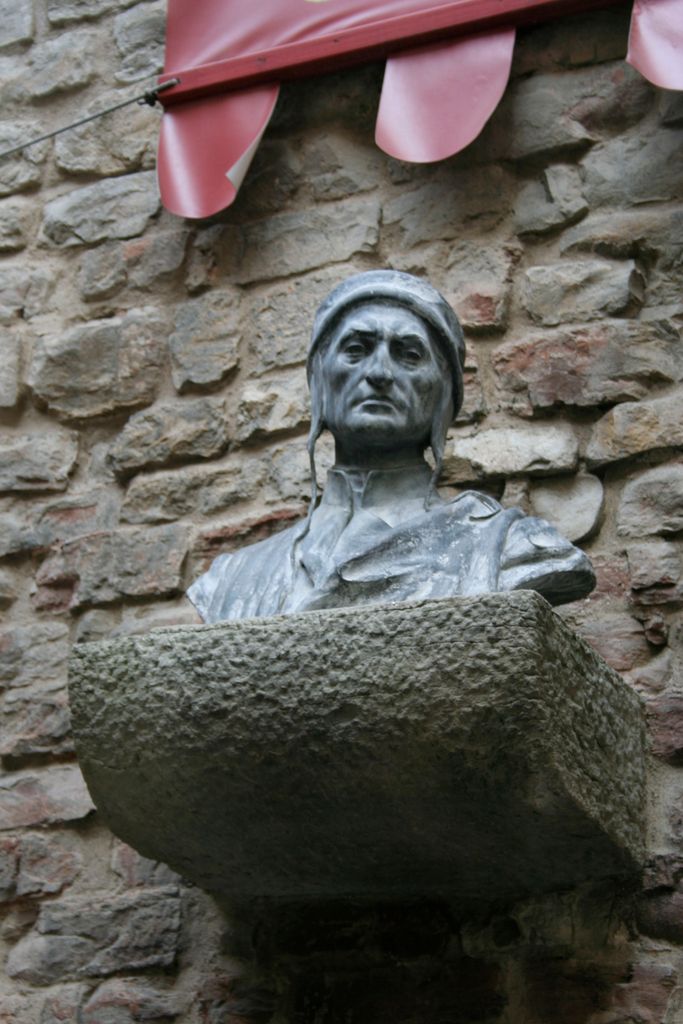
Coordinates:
(34, 653)
(81, 937)
(10, 369)
(139, 35)
(16, 22)
(116, 208)
(652, 502)
(215, 253)
(572, 504)
(16, 220)
(38, 462)
(274, 319)
(172, 432)
(442, 207)
(23, 170)
(8, 588)
(24, 291)
(35, 723)
(583, 366)
(632, 169)
(118, 143)
(63, 1004)
(166, 496)
(131, 1000)
(43, 797)
(468, 746)
(537, 450)
(41, 866)
(642, 232)
(551, 202)
(136, 870)
(618, 638)
(591, 37)
(583, 290)
(665, 717)
(205, 342)
(340, 167)
(61, 12)
(102, 272)
(291, 243)
(636, 427)
(66, 62)
(477, 283)
(273, 405)
(100, 367)
(102, 567)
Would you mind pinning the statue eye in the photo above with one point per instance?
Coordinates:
(354, 349)
(411, 354)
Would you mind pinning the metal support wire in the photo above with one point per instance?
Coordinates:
(149, 98)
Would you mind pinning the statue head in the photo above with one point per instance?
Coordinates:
(385, 365)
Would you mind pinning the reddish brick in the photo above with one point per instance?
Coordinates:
(644, 998)
(618, 638)
(43, 797)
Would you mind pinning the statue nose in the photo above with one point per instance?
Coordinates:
(379, 373)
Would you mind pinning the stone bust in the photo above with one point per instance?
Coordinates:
(385, 371)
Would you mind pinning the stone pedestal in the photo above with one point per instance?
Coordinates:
(471, 748)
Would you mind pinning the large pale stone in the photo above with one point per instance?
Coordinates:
(273, 405)
(66, 62)
(652, 503)
(583, 290)
(469, 746)
(24, 169)
(61, 12)
(572, 504)
(636, 427)
(631, 169)
(611, 361)
(291, 243)
(43, 797)
(100, 367)
(10, 369)
(168, 495)
(538, 450)
(17, 217)
(204, 344)
(477, 282)
(16, 22)
(119, 142)
(139, 35)
(168, 433)
(25, 291)
(551, 202)
(37, 461)
(116, 208)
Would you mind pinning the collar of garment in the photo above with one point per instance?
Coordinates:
(391, 494)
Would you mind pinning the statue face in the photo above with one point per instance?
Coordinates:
(381, 376)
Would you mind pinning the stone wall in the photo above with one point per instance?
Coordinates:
(153, 412)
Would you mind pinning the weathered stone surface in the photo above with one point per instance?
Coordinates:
(273, 405)
(34, 653)
(641, 232)
(136, 870)
(17, 217)
(63, 1004)
(583, 290)
(24, 292)
(537, 450)
(60, 64)
(117, 143)
(341, 167)
(631, 169)
(497, 762)
(40, 866)
(205, 341)
(572, 504)
(602, 362)
(8, 589)
(655, 569)
(139, 263)
(16, 22)
(37, 462)
(10, 369)
(442, 207)
(274, 320)
(102, 272)
(636, 427)
(35, 722)
(195, 429)
(166, 496)
(618, 638)
(139, 35)
(551, 202)
(128, 1001)
(43, 797)
(100, 367)
(291, 243)
(477, 283)
(652, 502)
(670, 107)
(102, 567)
(24, 170)
(117, 208)
(216, 252)
(591, 37)
(81, 937)
(665, 718)
(61, 12)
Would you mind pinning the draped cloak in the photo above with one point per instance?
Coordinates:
(366, 546)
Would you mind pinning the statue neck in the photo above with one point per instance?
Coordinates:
(353, 459)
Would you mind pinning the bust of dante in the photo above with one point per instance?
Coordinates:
(385, 371)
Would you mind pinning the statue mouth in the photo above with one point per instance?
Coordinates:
(376, 403)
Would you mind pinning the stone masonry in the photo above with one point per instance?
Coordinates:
(153, 413)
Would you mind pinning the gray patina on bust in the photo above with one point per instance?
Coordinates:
(385, 370)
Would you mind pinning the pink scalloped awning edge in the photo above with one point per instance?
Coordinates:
(655, 46)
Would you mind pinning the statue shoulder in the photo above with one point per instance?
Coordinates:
(475, 505)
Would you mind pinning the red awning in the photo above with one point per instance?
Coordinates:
(448, 63)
